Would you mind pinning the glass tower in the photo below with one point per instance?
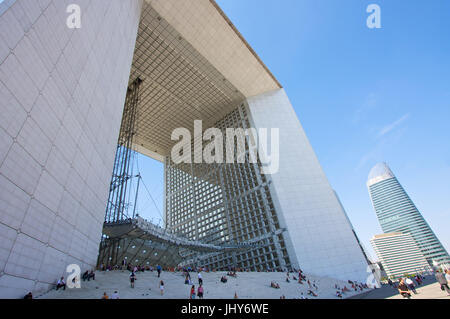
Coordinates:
(399, 254)
(396, 212)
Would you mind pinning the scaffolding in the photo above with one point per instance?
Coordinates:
(119, 193)
(117, 207)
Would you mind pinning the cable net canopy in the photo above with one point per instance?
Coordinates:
(143, 229)
(139, 242)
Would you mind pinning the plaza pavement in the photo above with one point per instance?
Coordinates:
(430, 289)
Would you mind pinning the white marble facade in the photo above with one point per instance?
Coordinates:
(321, 235)
(62, 93)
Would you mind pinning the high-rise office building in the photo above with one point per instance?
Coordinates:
(396, 212)
(62, 94)
(399, 254)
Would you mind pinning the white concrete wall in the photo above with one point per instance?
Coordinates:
(62, 93)
(318, 227)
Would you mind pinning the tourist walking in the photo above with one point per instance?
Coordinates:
(188, 278)
(410, 285)
(447, 275)
(418, 279)
(200, 292)
(200, 278)
(192, 293)
(158, 269)
(132, 279)
(442, 281)
(161, 287)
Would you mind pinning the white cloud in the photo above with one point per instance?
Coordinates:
(378, 152)
(388, 128)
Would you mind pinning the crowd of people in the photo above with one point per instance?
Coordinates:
(313, 288)
(274, 284)
(353, 286)
(186, 273)
(296, 275)
(418, 278)
(88, 275)
(115, 295)
(406, 286)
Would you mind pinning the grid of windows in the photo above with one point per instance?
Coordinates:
(229, 202)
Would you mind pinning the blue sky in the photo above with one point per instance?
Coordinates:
(363, 95)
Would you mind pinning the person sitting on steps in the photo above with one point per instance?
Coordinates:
(403, 289)
(61, 283)
(274, 285)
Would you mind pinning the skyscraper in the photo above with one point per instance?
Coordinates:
(396, 212)
(399, 254)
